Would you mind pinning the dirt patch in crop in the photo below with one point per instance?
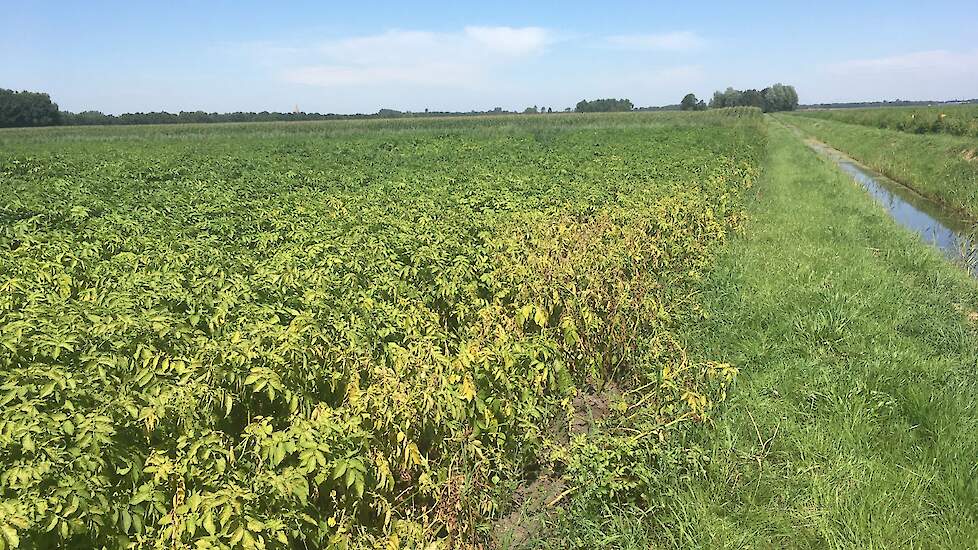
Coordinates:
(532, 502)
(970, 155)
(591, 408)
(527, 521)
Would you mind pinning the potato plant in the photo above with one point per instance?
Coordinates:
(338, 335)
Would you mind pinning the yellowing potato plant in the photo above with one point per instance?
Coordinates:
(350, 334)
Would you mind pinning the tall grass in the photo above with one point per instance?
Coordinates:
(958, 120)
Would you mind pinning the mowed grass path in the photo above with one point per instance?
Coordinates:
(854, 423)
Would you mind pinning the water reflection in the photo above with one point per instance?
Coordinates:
(953, 235)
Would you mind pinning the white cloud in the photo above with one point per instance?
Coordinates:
(917, 61)
(389, 47)
(510, 40)
(932, 74)
(466, 68)
(421, 58)
(684, 74)
(653, 86)
(425, 74)
(678, 41)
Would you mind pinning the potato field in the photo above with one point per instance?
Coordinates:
(353, 334)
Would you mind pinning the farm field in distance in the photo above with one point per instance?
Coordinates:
(355, 333)
(957, 120)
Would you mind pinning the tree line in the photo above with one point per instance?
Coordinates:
(604, 105)
(27, 109)
(885, 103)
(86, 118)
(777, 97)
(23, 109)
(36, 109)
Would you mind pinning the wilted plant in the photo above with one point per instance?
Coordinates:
(280, 341)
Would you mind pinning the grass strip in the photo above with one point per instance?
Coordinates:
(941, 167)
(853, 424)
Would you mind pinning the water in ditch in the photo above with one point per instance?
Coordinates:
(955, 236)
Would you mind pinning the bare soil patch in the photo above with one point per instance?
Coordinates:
(527, 521)
(533, 501)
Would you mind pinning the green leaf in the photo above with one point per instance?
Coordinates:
(339, 469)
(52, 524)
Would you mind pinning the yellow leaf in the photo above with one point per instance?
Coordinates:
(468, 389)
(540, 317)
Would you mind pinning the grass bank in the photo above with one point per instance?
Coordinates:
(941, 167)
(853, 424)
(958, 120)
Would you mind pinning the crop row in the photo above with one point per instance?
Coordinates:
(357, 337)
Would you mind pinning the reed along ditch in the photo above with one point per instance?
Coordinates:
(954, 235)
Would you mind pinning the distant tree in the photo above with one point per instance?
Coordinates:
(777, 97)
(717, 101)
(752, 98)
(792, 102)
(689, 103)
(530, 110)
(728, 98)
(604, 105)
(550, 110)
(27, 109)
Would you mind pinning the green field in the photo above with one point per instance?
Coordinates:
(294, 334)
(665, 330)
(957, 120)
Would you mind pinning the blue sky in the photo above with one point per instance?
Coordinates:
(360, 56)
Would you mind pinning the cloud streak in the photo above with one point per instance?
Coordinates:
(474, 66)
(678, 41)
(936, 60)
(917, 75)
(510, 40)
(418, 58)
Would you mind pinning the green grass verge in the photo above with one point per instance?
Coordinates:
(958, 120)
(854, 422)
(942, 167)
